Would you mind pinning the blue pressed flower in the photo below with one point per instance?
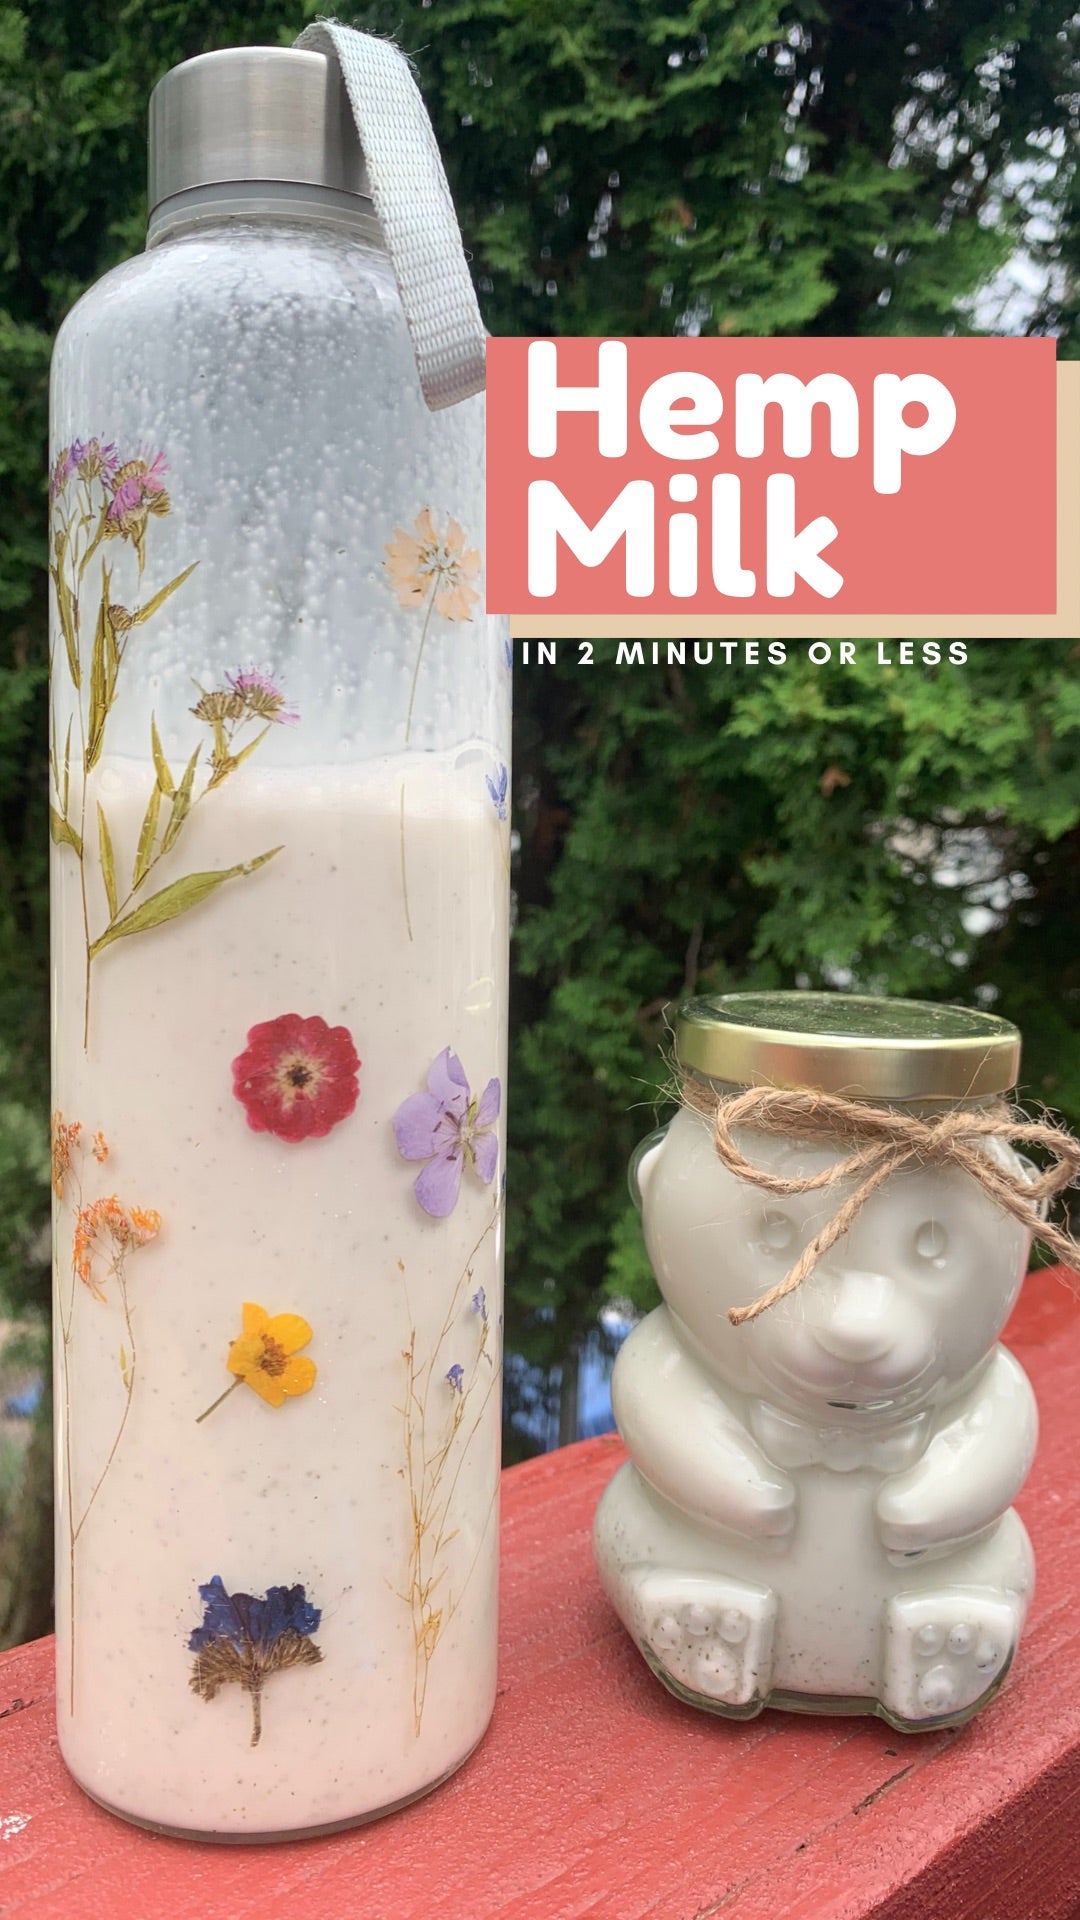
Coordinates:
(243, 1639)
(455, 1377)
(478, 1303)
(240, 1618)
(498, 789)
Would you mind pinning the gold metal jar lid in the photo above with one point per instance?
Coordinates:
(848, 1043)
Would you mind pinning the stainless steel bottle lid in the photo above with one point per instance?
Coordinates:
(854, 1044)
(253, 113)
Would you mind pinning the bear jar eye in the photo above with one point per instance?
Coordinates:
(777, 1231)
(931, 1243)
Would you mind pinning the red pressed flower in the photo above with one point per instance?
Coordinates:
(297, 1078)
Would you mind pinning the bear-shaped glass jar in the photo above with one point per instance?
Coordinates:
(816, 1513)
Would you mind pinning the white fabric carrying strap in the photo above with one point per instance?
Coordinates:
(414, 209)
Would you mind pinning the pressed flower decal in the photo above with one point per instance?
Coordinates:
(297, 1078)
(243, 1640)
(87, 458)
(258, 694)
(96, 497)
(435, 571)
(64, 1140)
(497, 788)
(428, 564)
(267, 1357)
(106, 1227)
(443, 1409)
(246, 697)
(138, 490)
(106, 1233)
(448, 1126)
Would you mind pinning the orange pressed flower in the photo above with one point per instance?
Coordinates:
(64, 1137)
(101, 1148)
(145, 1225)
(105, 1225)
(427, 563)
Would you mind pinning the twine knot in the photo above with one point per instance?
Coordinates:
(884, 1141)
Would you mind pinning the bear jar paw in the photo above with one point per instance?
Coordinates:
(709, 1640)
(824, 1435)
(945, 1654)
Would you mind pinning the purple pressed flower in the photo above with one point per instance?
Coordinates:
(455, 1377)
(478, 1303)
(94, 459)
(261, 696)
(64, 466)
(448, 1126)
(497, 789)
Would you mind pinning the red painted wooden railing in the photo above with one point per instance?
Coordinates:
(597, 1797)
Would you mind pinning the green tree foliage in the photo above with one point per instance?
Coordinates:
(733, 166)
(745, 167)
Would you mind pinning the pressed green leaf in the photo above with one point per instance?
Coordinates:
(144, 852)
(143, 614)
(66, 609)
(112, 652)
(95, 543)
(108, 864)
(67, 766)
(164, 772)
(63, 833)
(99, 690)
(181, 805)
(224, 763)
(246, 752)
(177, 898)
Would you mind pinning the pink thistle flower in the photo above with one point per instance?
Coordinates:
(138, 490)
(261, 696)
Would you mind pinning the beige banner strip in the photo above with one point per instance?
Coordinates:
(1062, 625)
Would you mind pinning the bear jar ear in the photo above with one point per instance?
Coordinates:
(642, 1163)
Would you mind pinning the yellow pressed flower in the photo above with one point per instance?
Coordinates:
(266, 1357)
(428, 563)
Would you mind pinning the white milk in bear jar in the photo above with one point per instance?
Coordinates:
(825, 1436)
(280, 907)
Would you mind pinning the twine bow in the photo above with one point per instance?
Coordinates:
(885, 1141)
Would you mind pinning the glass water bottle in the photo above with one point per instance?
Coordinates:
(279, 749)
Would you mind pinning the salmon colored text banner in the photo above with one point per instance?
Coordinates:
(802, 477)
